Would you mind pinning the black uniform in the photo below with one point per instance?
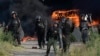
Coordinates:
(84, 30)
(67, 28)
(14, 25)
(40, 32)
(52, 35)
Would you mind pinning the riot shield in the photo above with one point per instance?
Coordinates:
(60, 36)
(21, 32)
(45, 33)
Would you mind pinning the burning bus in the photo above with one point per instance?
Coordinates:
(74, 15)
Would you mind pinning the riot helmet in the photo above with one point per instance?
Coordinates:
(38, 18)
(55, 24)
(63, 19)
(14, 14)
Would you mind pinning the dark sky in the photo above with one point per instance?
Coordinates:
(4, 10)
(90, 5)
(4, 4)
(59, 4)
(87, 5)
(81, 4)
(84, 5)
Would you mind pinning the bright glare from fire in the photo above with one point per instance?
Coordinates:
(73, 15)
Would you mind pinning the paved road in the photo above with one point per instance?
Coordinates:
(28, 51)
(32, 52)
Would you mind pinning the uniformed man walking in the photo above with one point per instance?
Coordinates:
(13, 26)
(67, 27)
(40, 28)
(52, 35)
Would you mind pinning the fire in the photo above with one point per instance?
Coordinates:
(75, 19)
(26, 38)
(95, 22)
(72, 14)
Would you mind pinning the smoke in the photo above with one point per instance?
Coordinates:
(4, 10)
(27, 11)
(29, 8)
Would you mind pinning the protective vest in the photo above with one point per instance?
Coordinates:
(15, 24)
(84, 25)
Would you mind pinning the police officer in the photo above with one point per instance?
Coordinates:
(67, 27)
(13, 26)
(84, 28)
(40, 31)
(53, 36)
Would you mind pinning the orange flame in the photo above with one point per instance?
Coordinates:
(95, 22)
(26, 38)
(72, 14)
